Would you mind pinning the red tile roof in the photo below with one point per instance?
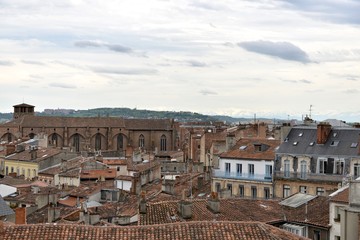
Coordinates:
(341, 197)
(109, 173)
(183, 231)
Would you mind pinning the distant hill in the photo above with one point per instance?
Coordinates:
(134, 113)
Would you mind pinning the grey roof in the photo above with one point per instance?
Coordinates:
(299, 139)
(297, 200)
(5, 210)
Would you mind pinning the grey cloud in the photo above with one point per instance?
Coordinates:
(343, 12)
(118, 48)
(87, 43)
(208, 5)
(6, 63)
(134, 71)
(62, 85)
(111, 47)
(305, 81)
(194, 63)
(207, 92)
(298, 81)
(283, 50)
(32, 62)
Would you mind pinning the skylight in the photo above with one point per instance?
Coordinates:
(334, 143)
(334, 134)
(243, 147)
(311, 143)
(354, 144)
(295, 143)
(300, 134)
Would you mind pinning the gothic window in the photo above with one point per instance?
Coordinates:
(98, 141)
(76, 142)
(31, 135)
(9, 137)
(54, 139)
(141, 141)
(163, 143)
(120, 142)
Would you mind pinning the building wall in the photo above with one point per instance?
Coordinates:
(259, 165)
(31, 169)
(70, 181)
(328, 187)
(335, 224)
(248, 185)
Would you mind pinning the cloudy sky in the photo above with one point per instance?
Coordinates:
(234, 57)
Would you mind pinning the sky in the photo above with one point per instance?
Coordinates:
(232, 57)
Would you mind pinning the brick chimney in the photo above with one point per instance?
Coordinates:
(142, 204)
(185, 207)
(10, 148)
(20, 216)
(230, 141)
(323, 131)
(214, 203)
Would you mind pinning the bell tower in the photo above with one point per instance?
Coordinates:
(22, 110)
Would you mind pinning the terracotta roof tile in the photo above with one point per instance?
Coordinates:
(109, 173)
(341, 197)
(183, 231)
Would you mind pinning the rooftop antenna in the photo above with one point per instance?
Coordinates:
(310, 110)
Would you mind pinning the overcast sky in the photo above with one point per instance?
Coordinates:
(239, 58)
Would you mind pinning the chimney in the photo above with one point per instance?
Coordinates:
(349, 224)
(20, 216)
(142, 205)
(200, 182)
(214, 203)
(230, 141)
(185, 207)
(284, 131)
(168, 186)
(323, 131)
(10, 149)
(356, 125)
(53, 214)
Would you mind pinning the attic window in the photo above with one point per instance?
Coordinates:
(243, 147)
(334, 143)
(311, 143)
(354, 144)
(300, 134)
(295, 143)
(257, 147)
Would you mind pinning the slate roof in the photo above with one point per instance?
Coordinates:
(5, 210)
(306, 135)
(183, 231)
(41, 155)
(249, 152)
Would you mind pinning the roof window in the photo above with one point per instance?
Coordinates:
(335, 134)
(295, 143)
(300, 134)
(311, 143)
(286, 140)
(334, 143)
(243, 147)
(354, 144)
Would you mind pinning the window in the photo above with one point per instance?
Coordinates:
(238, 169)
(251, 170)
(334, 143)
(163, 143)
(9, 137)
(337, 238)
(266, 192)
(229, 187)
(303, 189)
(268, 171)
(287, 168)
(303, 169)
(253, 192)
(295, 143)
(217, 187)
(337, 214)
(311, 143)
(322, 165)
(354, 145)
(339, 166)
(76, 142)
(257, 147)
(28, 174)
(118, 169)
(356, 170)
(6, 170)
(320, 191)
(98, 142)
(120, 142)
(317, 235)
(141, 141)
(243, 147)
(286, 191)
(241, 190)
(295, 229)
(227, 168)
(54, 139)
(300, 134)
(12, 169)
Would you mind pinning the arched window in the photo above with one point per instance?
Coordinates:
(163, 143)
(120, 142)
(54, 139)
(76, 142)
(98, 141)
(9, 137)
(141, 141)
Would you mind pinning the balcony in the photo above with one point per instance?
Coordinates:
(308, 176)
(248, 177)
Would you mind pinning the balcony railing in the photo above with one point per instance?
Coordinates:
(234, 175)
(308, 176)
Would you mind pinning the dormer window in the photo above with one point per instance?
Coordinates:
(257, 147)
(334, 143)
